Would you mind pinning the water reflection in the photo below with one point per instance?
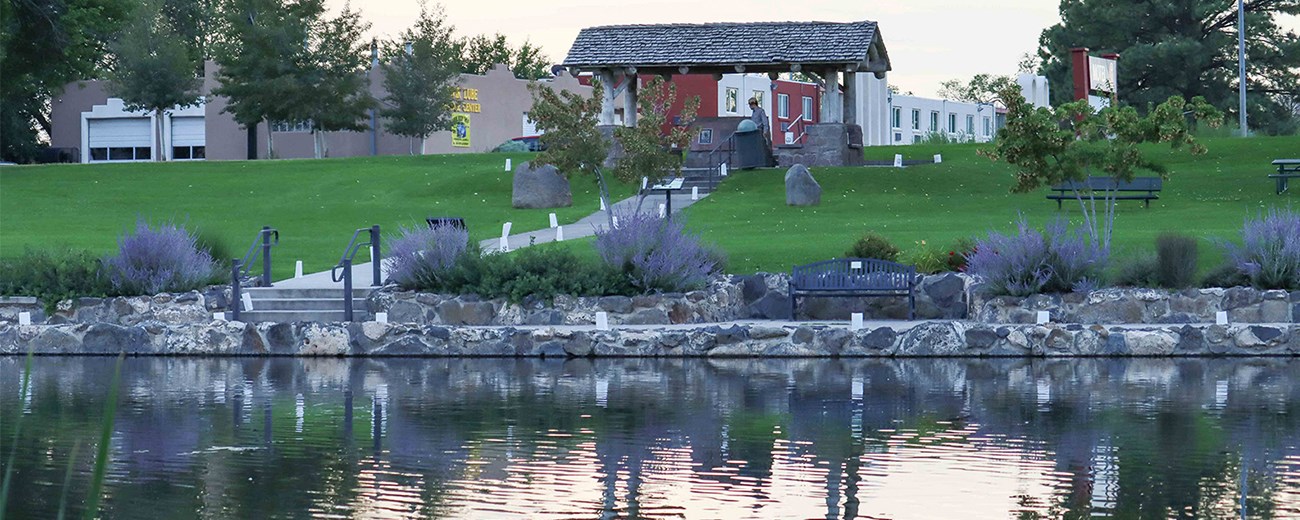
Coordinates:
(445, 438)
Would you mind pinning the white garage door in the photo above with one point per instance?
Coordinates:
(112, 133)
(188, 131)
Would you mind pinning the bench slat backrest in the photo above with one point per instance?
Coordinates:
(853, 274)
(1109, 183)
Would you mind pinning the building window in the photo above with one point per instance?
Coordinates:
(121, 153)
(295, 126)
(758, 96)
(934, 121)
(970, 124)
(952, 123)
(783, 106)
(916, 119)
(808, 109)
(986, 126)
(916, 139)
(897, 118)
(730, 102)
(706, 136)
(181, 153)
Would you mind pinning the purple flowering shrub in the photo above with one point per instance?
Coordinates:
(419, 257)
(1270, 252)
(151, 261)
(657, 254)
(1030, 262)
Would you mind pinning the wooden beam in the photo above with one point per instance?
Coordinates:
(740, 69)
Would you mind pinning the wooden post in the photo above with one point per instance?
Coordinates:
(630, 101)
(850, 109)
(607, 98)
(832, 106)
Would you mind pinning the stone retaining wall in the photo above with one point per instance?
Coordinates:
(760, 296)
(744, 339)
(1243, 305)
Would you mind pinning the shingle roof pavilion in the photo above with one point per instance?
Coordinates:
(731, 47)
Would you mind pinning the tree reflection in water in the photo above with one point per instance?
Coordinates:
(643, 438)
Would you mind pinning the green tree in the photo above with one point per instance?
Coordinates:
(44, 45)
(194, 22)
(257, 59)
(654, 147)
(480, 53)
(1184, 48)
(982, 88)
(333, 89)
(420, 77)
(151, 72)
(1072, 143)
(567, 123)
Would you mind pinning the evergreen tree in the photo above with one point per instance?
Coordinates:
(420, 75)
(151, 72)
(1182, 48)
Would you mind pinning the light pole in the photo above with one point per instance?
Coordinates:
(1241, 67)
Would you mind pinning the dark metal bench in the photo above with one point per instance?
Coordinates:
(854, 277)
(1287, 169)
(1144, 189)
(437, 222)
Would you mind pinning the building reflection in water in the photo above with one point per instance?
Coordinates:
(509, 438)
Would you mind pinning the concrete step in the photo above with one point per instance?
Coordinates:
(305, 304)
(259, 293)
(292, 316)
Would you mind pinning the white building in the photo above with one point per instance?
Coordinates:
(890, 119)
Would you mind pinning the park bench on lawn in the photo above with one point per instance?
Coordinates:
(1140, 188)
(853, 277)
(1287, 169)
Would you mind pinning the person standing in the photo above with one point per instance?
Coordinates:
(759, 117)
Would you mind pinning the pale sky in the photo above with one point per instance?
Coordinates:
(928, 40)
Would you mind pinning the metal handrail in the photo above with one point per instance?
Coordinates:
(268, 237)
(803, 128)
(345, 263)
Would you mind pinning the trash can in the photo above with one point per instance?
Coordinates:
(437, 222)
(751, 146)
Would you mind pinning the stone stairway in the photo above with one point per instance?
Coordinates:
(314, 304)
(699, 177)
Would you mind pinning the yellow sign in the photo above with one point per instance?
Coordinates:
(460, 130)
(466, 100)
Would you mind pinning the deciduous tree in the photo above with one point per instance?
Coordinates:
(1073, 142)
(654, 147)
(982, 88)
(420, 77)
(151, 71)
(572, 142)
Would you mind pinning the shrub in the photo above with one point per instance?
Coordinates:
(53, 275)
(1225, 275)
(419, 257)
(1030, 262)
(1175, 260)
(541, 272)
(151, 261)
(657, 254)
(1136, 271)
(1270, 252)
(873, 245)
(927, 259)
(215, 245)
(957, 253)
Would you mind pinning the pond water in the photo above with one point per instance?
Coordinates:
(642, 438)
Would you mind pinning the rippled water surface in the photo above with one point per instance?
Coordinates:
(530, 439)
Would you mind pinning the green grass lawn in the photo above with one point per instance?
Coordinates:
(967, 195)
(316, 204)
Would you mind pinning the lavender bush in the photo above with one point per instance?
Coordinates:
(419, 257)
(1270, 252)
(150, 261)
(1030, 262)
(657, 253)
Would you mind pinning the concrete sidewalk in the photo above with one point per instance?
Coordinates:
(362, 275)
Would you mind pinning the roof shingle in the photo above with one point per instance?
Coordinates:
(722, 44)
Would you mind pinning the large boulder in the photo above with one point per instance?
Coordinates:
(801, 189)
(541, 187)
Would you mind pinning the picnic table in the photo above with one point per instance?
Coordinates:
(1287, 169)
